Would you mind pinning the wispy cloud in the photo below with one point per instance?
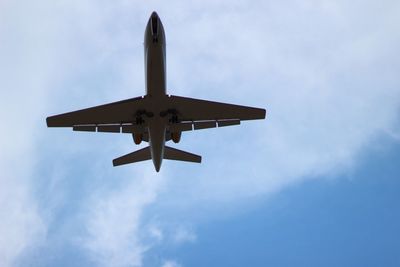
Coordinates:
(183, 235)
(170, 263)
(25, 74)
(113, 222)
(21, 226)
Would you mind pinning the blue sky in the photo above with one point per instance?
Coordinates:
(349, 221)
(316, 183)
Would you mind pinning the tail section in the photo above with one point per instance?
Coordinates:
(176, 154)
(145, 154)
(139, 155)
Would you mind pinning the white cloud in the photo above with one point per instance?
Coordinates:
(21, 226)
(156, 233)
(25, 73)
(183, 235)
(113, 222)
(170, 263)
(327, 77)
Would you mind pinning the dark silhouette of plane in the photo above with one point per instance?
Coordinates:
(156, 117)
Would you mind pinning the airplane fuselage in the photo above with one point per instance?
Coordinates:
(155, 71)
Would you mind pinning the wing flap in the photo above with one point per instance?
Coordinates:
(198, 125)
(109, 128)
(133, 128)
(181, 127)
(85, 128)
(204, 125)
(228, 123)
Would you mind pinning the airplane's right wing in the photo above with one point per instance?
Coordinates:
(204, 114)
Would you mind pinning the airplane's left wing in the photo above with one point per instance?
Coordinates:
(113, 113)
(206, 112)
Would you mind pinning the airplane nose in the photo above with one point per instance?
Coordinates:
(154, 14)
(154, 20)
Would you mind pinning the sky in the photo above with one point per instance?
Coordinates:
(316, 183)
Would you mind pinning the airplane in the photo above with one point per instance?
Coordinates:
(155, 117)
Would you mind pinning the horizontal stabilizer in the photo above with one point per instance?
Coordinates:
(176, 154)
(139, 155)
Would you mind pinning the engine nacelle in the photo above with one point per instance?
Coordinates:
(137, 138)
(176, 137)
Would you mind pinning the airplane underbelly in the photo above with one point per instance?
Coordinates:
(156, 82)
(157, 141)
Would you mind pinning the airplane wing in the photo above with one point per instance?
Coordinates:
(193, 114)
(207, 114)
(113, 113)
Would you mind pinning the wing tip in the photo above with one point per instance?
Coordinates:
(48, 121)
(264, 113)
(114, 163)
(52, 122)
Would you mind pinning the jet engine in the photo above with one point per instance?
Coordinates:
(137, 138)
(176, 137)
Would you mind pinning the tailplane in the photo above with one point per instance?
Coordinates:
(140, 155)
(176, 154)
(145, 154)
